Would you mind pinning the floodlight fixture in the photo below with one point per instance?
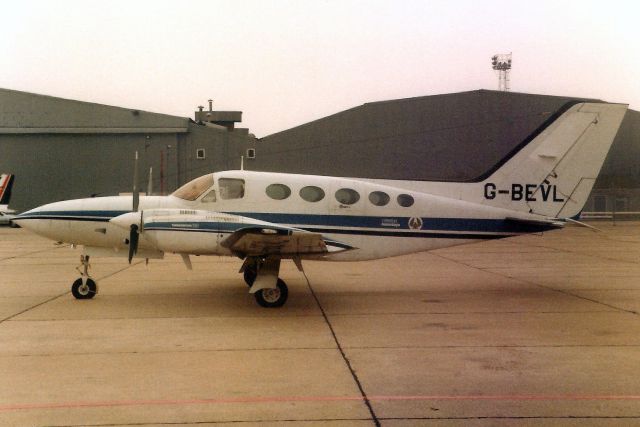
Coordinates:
(502, 64)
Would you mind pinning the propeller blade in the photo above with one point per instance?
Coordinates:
(133, 241)
(136, 195)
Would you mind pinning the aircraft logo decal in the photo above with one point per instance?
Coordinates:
(415, 223)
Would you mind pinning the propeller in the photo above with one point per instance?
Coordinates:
(136, 195)
(133, 241)
(135, 230)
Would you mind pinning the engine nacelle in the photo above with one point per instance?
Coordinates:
(190, 231)
(183, 230)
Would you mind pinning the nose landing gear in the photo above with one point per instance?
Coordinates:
(84, 287)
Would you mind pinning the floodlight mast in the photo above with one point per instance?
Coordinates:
(502, 64)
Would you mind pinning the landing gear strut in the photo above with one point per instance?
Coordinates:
(84, 287)
(250, 272)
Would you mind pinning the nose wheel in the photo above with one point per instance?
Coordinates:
(84, 287)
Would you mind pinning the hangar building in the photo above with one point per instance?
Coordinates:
(451, 137)
(61, 149)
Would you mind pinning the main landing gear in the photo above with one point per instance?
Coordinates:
(84, 287)
(261, 275)
(273, 297)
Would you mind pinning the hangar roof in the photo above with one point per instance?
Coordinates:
(24, 112)
(450, 137)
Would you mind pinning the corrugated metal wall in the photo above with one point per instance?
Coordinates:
(63, 149)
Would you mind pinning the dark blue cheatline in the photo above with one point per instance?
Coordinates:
(451, 228)
(98, 216)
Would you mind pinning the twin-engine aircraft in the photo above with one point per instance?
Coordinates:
(263, 218)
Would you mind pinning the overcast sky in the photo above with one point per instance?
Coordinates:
(284, 63)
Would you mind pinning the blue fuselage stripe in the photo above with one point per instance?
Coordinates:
(455, 228)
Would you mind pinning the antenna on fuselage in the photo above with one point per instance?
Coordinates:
(241, 163)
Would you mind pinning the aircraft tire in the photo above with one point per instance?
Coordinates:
(271, 298)
(82, 290)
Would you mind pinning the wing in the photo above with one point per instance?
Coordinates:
(282, 241)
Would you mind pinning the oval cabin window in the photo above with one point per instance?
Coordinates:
(278, 191)
(347, 196)
(312, 193)
(405, 200)
(379, 198)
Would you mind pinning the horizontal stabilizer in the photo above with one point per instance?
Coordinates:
(546, 223)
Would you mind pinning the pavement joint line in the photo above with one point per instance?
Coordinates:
(603, 290)
(459, 313)
(210, 350)
(562, 291)
(515, 417)
(32, 307)
(4, 408)
(309, 316)
(275, 349)
(497, 417)
(193, 423)
(365, 399)
(34, 252)
(62, 294)
(585, 254)
(518, 279)
(71, 319)
(498, 346)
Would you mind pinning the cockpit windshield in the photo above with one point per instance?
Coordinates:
(194, 189)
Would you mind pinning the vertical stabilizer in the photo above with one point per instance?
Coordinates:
(554, 173)
(6, 183)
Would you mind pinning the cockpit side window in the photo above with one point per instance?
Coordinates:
(194, 189)
(210, 197)
(231, 188)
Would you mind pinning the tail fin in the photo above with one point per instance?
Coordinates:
(554, 172)
(6, 182)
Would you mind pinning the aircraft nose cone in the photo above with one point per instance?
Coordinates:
(23, 219)
(41, 221)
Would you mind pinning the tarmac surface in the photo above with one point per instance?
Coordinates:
(533, 330)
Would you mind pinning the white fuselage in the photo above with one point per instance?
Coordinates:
(378, 220)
